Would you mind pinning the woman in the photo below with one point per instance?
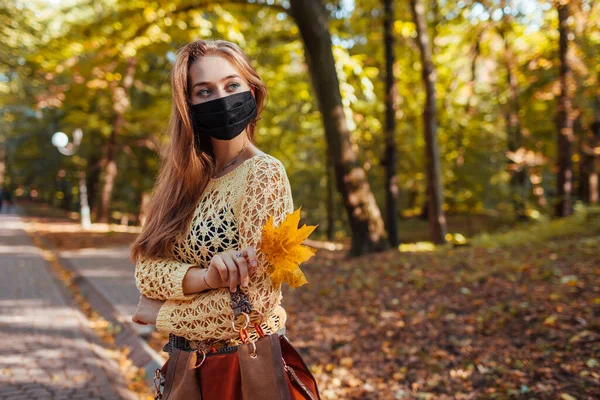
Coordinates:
(214, 193)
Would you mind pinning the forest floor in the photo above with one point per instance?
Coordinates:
(517, 320)
(513, 314)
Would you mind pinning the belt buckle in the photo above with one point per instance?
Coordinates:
(193, 344)
(208, 346)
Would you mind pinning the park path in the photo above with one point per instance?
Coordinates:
(47, 351)
(111, 273)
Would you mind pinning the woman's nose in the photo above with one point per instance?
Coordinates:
(221, 92)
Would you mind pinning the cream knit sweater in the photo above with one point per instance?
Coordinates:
(230, 214)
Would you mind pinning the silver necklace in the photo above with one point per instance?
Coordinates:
(232, 161)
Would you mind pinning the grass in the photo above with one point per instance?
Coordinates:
(585, 220)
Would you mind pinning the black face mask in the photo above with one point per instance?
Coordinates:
(223, 118)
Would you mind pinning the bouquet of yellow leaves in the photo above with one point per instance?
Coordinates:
(283, 249)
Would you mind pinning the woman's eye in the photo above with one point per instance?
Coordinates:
(202, 91)
(234, 85)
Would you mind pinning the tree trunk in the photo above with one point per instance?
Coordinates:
(144, 201)
(592, 183)
(2, 163)
(593, 189)
(437, 219)
(93, 180)
(589, 165)
(330, 200)
(391, 179)
(363, 213)
(583, 142)
(121, 104)
(518, 175)
(564, 121)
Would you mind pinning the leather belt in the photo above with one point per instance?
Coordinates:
(214, 346)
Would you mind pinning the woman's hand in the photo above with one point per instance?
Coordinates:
(226, 269)
(147, 311)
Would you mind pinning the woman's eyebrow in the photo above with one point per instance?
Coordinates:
(224, 79)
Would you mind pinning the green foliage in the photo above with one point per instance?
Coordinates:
(585, 220)
(62, 65)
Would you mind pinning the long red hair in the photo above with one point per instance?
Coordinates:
(186, 164)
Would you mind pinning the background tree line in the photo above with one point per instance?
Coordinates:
(393, 109)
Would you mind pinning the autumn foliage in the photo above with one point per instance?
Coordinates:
(282, 246)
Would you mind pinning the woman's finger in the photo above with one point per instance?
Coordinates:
(221, 268)
(233, 271)
(250, 253)
(242, 265)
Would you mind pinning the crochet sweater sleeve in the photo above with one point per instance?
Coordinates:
(161, 279)
(209, 314)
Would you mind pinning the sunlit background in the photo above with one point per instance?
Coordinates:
(64, 64)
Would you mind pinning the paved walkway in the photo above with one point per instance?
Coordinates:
(46, 349)
(106, 278)
(111, 272)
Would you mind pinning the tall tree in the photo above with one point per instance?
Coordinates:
(588, 168)
(363, 213)
(514, 135)
(2, 161)
(121, 104)
(330, 199)
(564, 118)
(593, 189)
(390, 162)
(594, 183)
(435, 213)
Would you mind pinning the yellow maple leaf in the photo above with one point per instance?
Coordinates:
(283, 249)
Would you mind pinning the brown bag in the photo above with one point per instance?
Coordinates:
(268, 369)
(236, 375)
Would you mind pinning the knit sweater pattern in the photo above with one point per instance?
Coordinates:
(230, 214)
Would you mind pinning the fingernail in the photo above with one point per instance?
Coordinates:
(254, 263)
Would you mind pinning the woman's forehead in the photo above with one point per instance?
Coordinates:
(211, 69)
